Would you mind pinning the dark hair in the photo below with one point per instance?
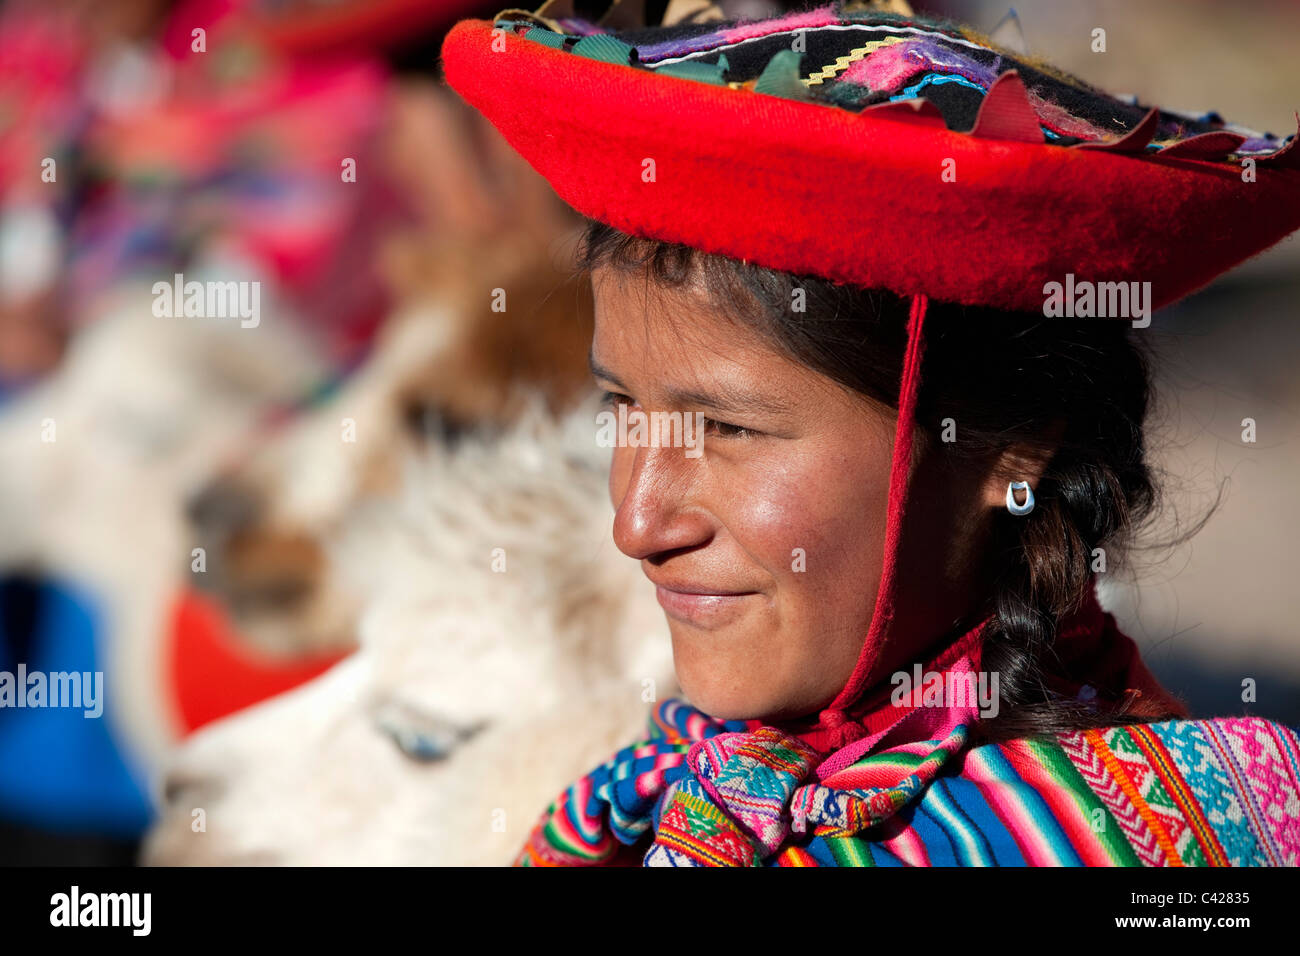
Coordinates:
(1007, 377)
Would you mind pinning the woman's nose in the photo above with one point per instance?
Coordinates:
(653, 490)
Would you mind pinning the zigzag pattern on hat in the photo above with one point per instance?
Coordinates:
(859, 57)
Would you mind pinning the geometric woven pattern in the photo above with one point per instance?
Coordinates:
(700, 792)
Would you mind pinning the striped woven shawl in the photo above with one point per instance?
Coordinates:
(705, 792)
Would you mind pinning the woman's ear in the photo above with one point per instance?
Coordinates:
(1022, 461)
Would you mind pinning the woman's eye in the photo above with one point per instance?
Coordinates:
(727, 430)
(721, 429)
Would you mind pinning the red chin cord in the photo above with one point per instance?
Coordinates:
(835, 718)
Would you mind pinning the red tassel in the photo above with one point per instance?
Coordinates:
(834, 718)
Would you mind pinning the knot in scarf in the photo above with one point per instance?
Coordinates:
(746, 793)
(733, 793)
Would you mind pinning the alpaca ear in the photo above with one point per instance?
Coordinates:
(1022, 461)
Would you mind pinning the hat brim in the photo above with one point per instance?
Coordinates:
(881, 199)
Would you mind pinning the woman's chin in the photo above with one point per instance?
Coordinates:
(719, 696)
(732, 673)
(720, 707)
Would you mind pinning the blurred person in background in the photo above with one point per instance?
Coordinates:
(140, 140)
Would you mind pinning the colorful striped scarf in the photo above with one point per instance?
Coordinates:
(705, 792)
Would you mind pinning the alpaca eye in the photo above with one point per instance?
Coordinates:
(428, 422)
(422, 737)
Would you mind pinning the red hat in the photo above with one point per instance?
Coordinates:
(880, 149)
(891, 152)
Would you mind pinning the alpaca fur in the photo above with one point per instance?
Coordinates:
(443, 364)
(486, 306)
(540, 670)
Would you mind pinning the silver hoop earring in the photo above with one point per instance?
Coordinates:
(1020, 510)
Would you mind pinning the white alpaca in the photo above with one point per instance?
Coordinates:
(507, 639)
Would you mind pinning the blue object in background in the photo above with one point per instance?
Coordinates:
(61, 771)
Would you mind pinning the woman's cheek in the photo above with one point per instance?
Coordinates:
(817, 529)
(778, 521)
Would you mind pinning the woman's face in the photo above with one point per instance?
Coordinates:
(766, 549)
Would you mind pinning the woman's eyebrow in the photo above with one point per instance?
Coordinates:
(599, 371)
(726, 397)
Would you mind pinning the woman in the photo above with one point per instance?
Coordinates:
(916, 353)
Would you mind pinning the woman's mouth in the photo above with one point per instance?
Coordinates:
(702, 607)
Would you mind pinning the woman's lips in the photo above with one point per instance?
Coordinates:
(707, 610)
